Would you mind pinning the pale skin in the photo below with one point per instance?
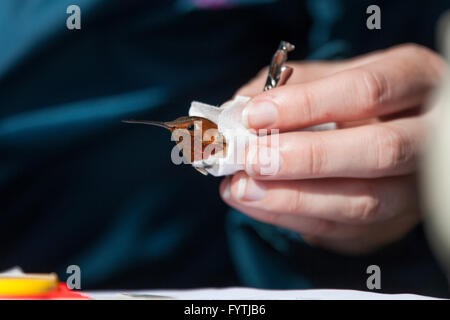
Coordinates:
(352, 190)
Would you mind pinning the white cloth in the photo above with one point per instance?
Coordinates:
(237, 136)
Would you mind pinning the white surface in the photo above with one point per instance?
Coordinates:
(240, 294)
(256, 294)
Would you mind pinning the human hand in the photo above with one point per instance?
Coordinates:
(353, 189)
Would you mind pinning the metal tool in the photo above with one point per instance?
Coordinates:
(278, 73)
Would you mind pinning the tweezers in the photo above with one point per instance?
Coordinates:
(278, 73)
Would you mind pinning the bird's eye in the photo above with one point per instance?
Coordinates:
(190, 127)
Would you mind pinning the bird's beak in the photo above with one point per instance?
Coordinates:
(152, 123)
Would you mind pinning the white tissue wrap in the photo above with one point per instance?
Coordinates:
(237, 136)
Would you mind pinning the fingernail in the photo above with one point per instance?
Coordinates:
(250, 190)
(263, 161)
(261, 114)
(226, 191)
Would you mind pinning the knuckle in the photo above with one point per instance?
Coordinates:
(439, 67)
(412, 48)
(392, 149)
(418, 51)
(374, 88)
(413, 51)
(366, 208)
(306, 101)
(421, 53)
(296, 203)
(317, 158)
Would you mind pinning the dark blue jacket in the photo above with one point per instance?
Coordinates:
(77, 186)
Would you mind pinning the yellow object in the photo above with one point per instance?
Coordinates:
(28, 284)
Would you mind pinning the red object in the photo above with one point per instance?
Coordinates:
(63, 293)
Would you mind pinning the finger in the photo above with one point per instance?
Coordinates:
(341, 237)
(398, 81)
(302, 72)
(304, 225)
(371, 151)
(350, 201)
(369, 237)
(306, 71)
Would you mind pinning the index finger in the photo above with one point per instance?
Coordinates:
(400, 79)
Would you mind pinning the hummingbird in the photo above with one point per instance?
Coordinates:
(203, 134)
(278, 75)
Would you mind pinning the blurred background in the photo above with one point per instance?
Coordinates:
(77, 186)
